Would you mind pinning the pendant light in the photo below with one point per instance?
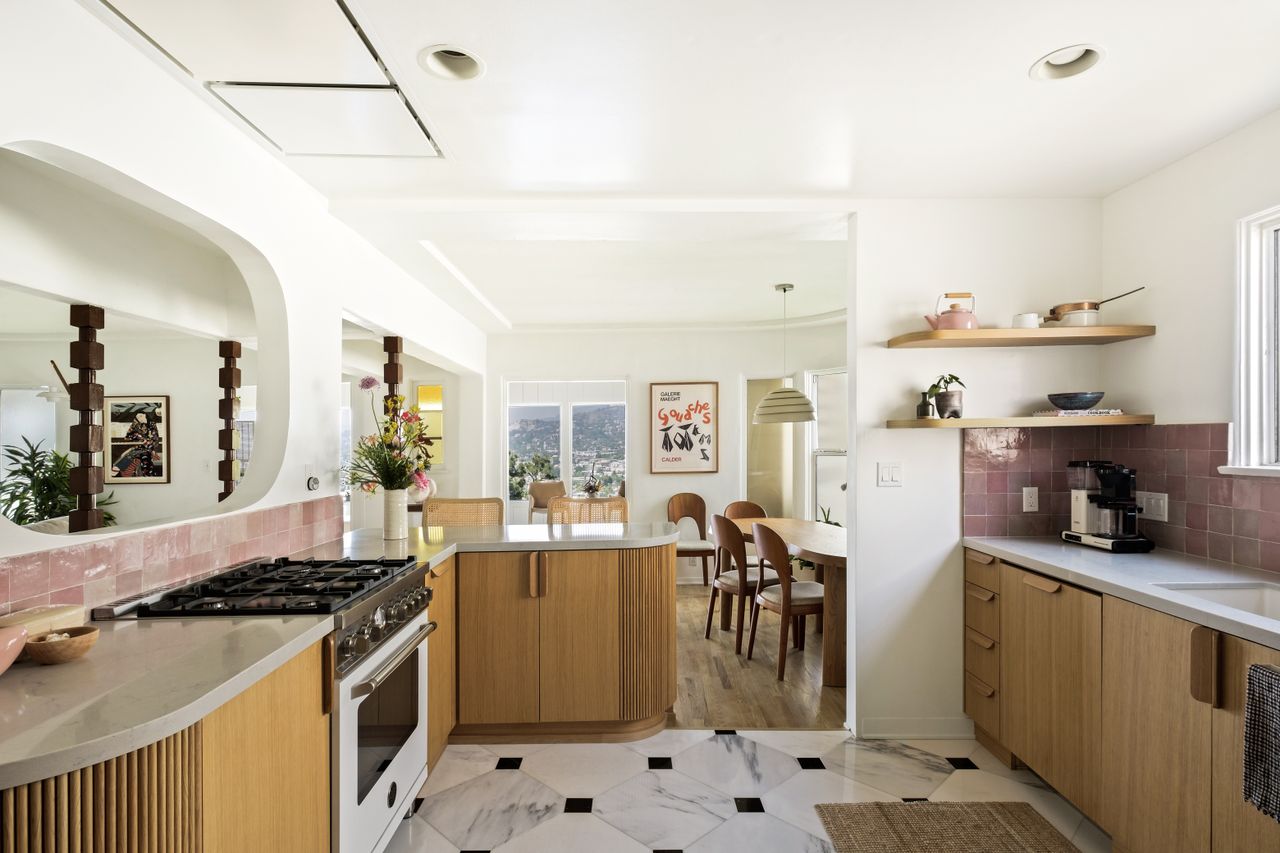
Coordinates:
(784, 405)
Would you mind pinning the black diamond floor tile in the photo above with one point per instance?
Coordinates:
(915, 799)
(577, 805)
(726, 731)
(656, 763)
(811, 764)
(509, 763)
(963, 763)
(748, 804)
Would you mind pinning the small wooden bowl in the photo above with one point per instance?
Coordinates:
(61, 651)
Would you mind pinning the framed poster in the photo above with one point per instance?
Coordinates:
(684, 427)
(137, 440)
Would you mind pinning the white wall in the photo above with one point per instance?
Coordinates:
(94, 103)
(729, 358)
(1175, 232)
(1015, 255)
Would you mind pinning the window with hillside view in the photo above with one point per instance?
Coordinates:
(583, 423)
(533, 447)
(599, 445)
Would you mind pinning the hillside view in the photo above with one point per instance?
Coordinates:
(599, 436)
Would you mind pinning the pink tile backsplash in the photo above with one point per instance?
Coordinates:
(1232, 519)
(92, 573)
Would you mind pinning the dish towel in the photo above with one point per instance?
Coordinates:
(1262, 740)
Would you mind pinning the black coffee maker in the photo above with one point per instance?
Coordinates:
(1115, 515)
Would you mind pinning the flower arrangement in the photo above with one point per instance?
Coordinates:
(397, 455)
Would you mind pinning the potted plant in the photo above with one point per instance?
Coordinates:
(394, 458)
(948, 403)
(37, 486)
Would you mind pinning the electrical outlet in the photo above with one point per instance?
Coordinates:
(1030, 499)
(1155, 505)
(889, 475)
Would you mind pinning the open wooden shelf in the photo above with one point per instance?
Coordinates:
(1049, 336)
(979, 423)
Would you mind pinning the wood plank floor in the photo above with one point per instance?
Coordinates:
(718, 689)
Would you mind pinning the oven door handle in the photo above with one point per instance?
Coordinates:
(364, 688)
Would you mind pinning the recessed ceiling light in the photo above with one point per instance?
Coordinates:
(1066, 62)
(450, 63)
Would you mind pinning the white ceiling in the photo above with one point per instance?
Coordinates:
(32, 316)
(687, 131)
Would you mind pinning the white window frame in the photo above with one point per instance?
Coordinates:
(1255, 447)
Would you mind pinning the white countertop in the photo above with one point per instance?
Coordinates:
(147, 678)
(1133, 577)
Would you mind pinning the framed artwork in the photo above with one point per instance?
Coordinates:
(684, 427)
(137, 437)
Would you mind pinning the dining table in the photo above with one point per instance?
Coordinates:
(826, 546)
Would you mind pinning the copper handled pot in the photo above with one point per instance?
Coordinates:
(1083, 313)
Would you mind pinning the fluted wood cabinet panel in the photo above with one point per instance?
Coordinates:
(148, 800)
(648, 608)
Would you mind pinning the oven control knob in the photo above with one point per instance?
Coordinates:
(362, 640)
(347, 647)
(379, 618)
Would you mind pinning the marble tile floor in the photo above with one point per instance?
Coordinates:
(700, 792)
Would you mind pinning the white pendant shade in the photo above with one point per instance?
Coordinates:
(783, 406)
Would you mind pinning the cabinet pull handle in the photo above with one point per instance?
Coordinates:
(542, 573)
(980, 593)
(979, 557)
(1205, 643)
(985, 689)
(328, 676)
(979, 640)
(1042, 584)
(534, 587)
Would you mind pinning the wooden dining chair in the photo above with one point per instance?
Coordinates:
(746, 509)
(540, 494)
(587, 511)
(689, 505)
(462, 512)
(733, 576)
(789, 598)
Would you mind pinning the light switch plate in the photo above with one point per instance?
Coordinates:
(889, 475)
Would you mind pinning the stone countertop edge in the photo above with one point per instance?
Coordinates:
(57, 719)
(1133, 577)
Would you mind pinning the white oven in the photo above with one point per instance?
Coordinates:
(379, 739)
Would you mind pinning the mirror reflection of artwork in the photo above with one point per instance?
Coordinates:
(137, 439)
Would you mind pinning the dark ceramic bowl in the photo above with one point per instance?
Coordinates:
(1076, 400)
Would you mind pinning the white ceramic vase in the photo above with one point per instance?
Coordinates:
(395, 514)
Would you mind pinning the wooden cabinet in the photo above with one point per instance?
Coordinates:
(1156, 738)
(579, 661)
(982, 648)
(498, 677)
(442, 660)
(1237, 826)
(265, 754)
(1051, 681)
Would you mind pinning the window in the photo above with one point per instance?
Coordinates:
(1255, 446)
(828, 444)
(26, 413)
(245, 423)
(431, 407)
(584, 423)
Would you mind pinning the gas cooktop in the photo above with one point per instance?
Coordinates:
(277, 587)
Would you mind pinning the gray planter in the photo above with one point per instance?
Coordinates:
(949, 404)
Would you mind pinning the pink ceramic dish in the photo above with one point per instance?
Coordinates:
(12, 642)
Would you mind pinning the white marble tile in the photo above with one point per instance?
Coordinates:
(979, 786)
(664, 809)
(794, 799)
(801, 744)
(491, 809)
(459, 763)
(584, 769)
(515, 750)
(737, 766)
(889, 766)
(758, 832)
(415, 835)
(573, 833)
(1090, 839)
(946, 748)
(670, 742)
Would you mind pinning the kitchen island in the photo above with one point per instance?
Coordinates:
(181, 732)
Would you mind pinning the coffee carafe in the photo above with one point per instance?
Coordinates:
(1104, 507)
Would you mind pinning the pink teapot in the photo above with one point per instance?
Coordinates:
(956, 316)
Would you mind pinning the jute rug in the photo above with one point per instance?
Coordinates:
(940, 828)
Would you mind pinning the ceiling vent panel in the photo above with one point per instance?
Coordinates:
(358, 122)
(262, 41)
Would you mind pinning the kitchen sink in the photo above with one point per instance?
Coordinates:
(1257, 597)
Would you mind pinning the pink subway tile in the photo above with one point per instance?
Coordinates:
(996, 504)
(975, 525)
(1220, 520)
(277, 544)
(70, 595)
(998, 525)
(1197, 543)
(1018, 480)
(1246, 552)
(1013, 503)
(1198, 463)
(29, 575)
(1176, 484)
(1246, 493)
(4, 584)
(310, 512)
(1196, 437)
(180, 542)
(1198, 516)
(156, 575)
(129, 552)
(1269, 526)
(1219, 436)
(1198, 490)
(299, 539)
(975, 483)
(1244, 522)
(295, 516)
(1270, 497)
(1217, 458)
(1041, 459)
(975, 504)
(1153, 482)
(30, 601)
(1270, 556)
(67, 566)
(128, 583)
(1178, 513)
(202, 537)
(1040, 439)
(155, 547)
(1175, 461)
(1220, 491)
(1175, 436)
(1174, 538)
(997, 482)
(253, 525)
(100, 592)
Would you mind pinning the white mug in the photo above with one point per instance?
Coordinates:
(1026, 321)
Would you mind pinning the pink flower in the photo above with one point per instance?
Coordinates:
(420, 478)
(369, 383)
